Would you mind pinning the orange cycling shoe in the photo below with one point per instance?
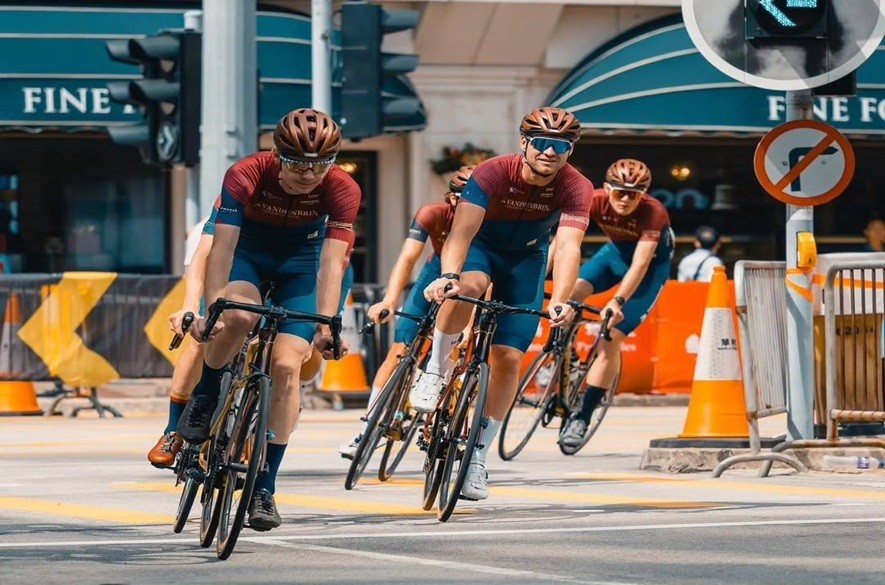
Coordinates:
(164, 452)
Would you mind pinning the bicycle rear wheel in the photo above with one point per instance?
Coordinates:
(380, 420)
(598, 414)
(405, 424)
(461, 439)
(213, 480)
(185, 503)
(249, 430)
(433, 461)
(536, 390)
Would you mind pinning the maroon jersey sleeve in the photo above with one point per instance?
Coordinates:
(343, 202)
(240, 182)
(575, 202)
(654, 220)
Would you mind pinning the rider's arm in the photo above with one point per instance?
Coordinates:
(399, 276)
(642, 257)
(468, 219)
(221, 257)
(332, 259)
(196, 274)
(566, 256)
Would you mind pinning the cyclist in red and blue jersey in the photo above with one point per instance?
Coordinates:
(286, 216)
(637, 260)
(500, 236)
(433, 222)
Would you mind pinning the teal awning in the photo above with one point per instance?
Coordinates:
(40, 89)
(652, 79)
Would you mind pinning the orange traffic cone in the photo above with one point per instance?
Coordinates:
(349, 373)
(717, 408)
(17, 397)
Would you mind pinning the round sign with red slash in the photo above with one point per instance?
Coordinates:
(804, 162)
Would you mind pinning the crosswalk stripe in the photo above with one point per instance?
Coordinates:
(89, 512)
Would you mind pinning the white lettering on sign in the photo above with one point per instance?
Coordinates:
(868, 110)
(83, 100)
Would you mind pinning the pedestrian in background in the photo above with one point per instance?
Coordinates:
(875, 236)
(699, 264)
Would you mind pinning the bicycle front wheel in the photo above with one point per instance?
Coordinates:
(379, 422)
(185, 503)
(598, 414)
(406, 423)
(462, 435)
(244, 456)
(536, 390)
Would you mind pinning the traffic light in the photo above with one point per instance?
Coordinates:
(786, 19)
(168, 95)
(366, 110)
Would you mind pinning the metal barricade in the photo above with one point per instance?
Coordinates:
(762, 313)
(853, 354)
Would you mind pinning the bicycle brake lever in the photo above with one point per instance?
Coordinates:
(186, 321)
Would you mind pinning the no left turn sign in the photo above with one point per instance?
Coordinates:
(804, 162)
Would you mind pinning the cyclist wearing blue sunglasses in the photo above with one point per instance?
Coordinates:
(500, 235)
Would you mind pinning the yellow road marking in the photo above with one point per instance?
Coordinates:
(319, 502)
(741, 486)
(581, 498)
(82, 511)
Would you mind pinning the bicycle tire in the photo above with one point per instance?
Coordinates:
(185, 503)
(532, 415)
(379, 421)
(209, 495)
(433, 465)
(250, 421)
(210, 516)
(596, 419)
(387, 468)
(410, 423)
(474, 392)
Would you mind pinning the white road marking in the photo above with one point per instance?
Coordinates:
(456, 565)
(460, 533)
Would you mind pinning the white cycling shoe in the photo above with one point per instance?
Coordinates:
(348, 450)
(424, 394)
(476, 484)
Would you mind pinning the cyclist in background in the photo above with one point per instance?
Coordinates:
(637, 260)
(500, 236)
(433, 221)
(186, 373)
(286, 216)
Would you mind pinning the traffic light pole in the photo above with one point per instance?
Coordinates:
(230, 114)
(321, 55)
(800, 329)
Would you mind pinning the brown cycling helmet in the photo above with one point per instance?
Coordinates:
(629, 174)
(307, 134)
(554, 122)
(459, 180)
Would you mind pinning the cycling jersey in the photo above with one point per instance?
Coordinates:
(649, 222)
(519, 216)
(281, 235)
(276, 222)
(512, 242)
(433, 221)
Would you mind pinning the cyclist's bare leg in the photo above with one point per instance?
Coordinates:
(608, 361)
(311, 366)
(289, 353)
(187, 370)
(582, 290)
(505, 363)
(236, 324)
(453, 317)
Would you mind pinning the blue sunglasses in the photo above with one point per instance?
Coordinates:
(542, 143)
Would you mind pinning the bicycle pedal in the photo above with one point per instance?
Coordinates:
(159, 466)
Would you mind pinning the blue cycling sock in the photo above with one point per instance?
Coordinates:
(210, 382)
(267, 479)
(176, 407)
(592, 397)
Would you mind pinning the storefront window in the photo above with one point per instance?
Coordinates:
(81, 204)
(361, 166)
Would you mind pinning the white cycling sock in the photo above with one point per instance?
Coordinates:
(442, 349)
(487, 438)
(372, 398)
